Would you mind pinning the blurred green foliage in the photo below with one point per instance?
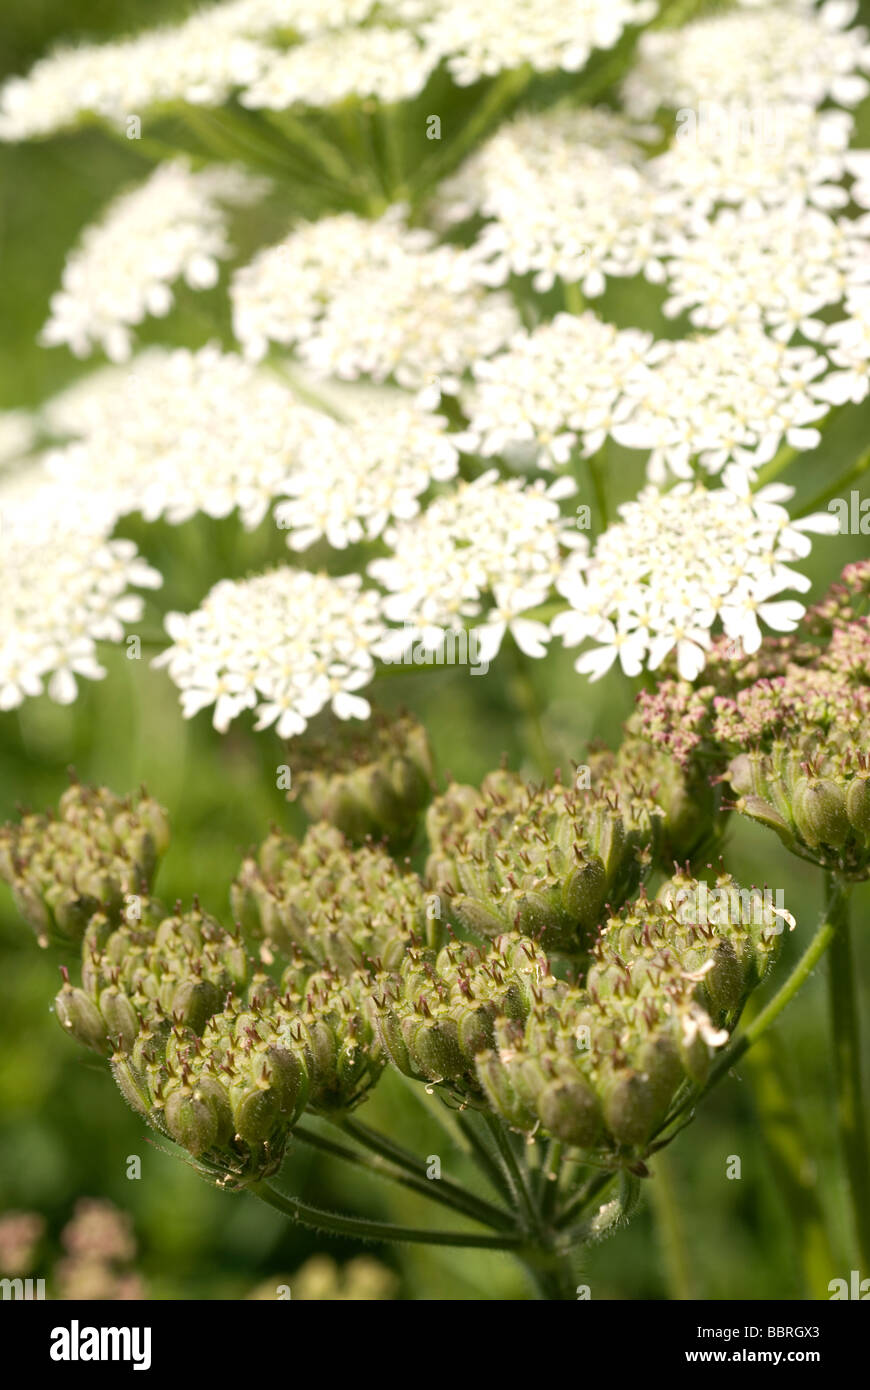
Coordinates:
(64, 1132)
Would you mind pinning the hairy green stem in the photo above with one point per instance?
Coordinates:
(360, 1228)
(514, 1176)
(845, 1027)
(440, 1190)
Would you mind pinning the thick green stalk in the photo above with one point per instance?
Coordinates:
(788, 1148)
(671, 1231)
(846, 1032)
(594, 465)
(835, 489)
(501, 95)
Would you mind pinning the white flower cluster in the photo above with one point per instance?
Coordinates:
(286, 643)
(184, 432)
(773, 266)
(489, 539)
(200, 62)
(226, 47)
(675, 564)
(17, 433)
(361, 475)
(173, 225)
(565, 199)
(562, 381)
(773, 53)
(729, 397)
(389, 64)
(370, 299)
(771, 154)
(546, 34)
(65, 588)
(848, 346)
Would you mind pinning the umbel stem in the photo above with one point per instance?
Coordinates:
(846, 1034)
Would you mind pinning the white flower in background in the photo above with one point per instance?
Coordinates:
(184, 432)
(731, 397)
(280, 295)
(199, 61)
(487, 538)
(678, 562)
(547, 139)
(565, 199)
(778, 267)
(561, 382)
(371, 299)
(741, 152)
(774, 53)
(172, 226)
(547, 34)
(261, 17)
(389, 64)
(848, 346)
(17, 433)
(65, 588)
(285, 643)
(351, 482)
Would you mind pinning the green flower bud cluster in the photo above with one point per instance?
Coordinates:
(438, 1011)
(599, 1065)
(341, 907)
(373, 784)
(688, 802)
(815, 795)
(220, 1060)
(87, 859)
(542, 861)
(788, 729)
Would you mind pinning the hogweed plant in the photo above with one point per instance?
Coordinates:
(494, 261)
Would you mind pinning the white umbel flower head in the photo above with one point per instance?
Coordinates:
(567, 197)
(730, 397)
(200, 61)
(172, 226)
(738, 153)
(354, 480)
(371, 299)
(184, 432)
(66, 586)
(17, 433)
(561, 382)
(546, 34)
(848, 345)
(285, 643)
(777, 267)
(390, 64)
(767, 55)
(487, 552)
(679, 562)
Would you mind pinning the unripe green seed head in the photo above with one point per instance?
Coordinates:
(78, 1014)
